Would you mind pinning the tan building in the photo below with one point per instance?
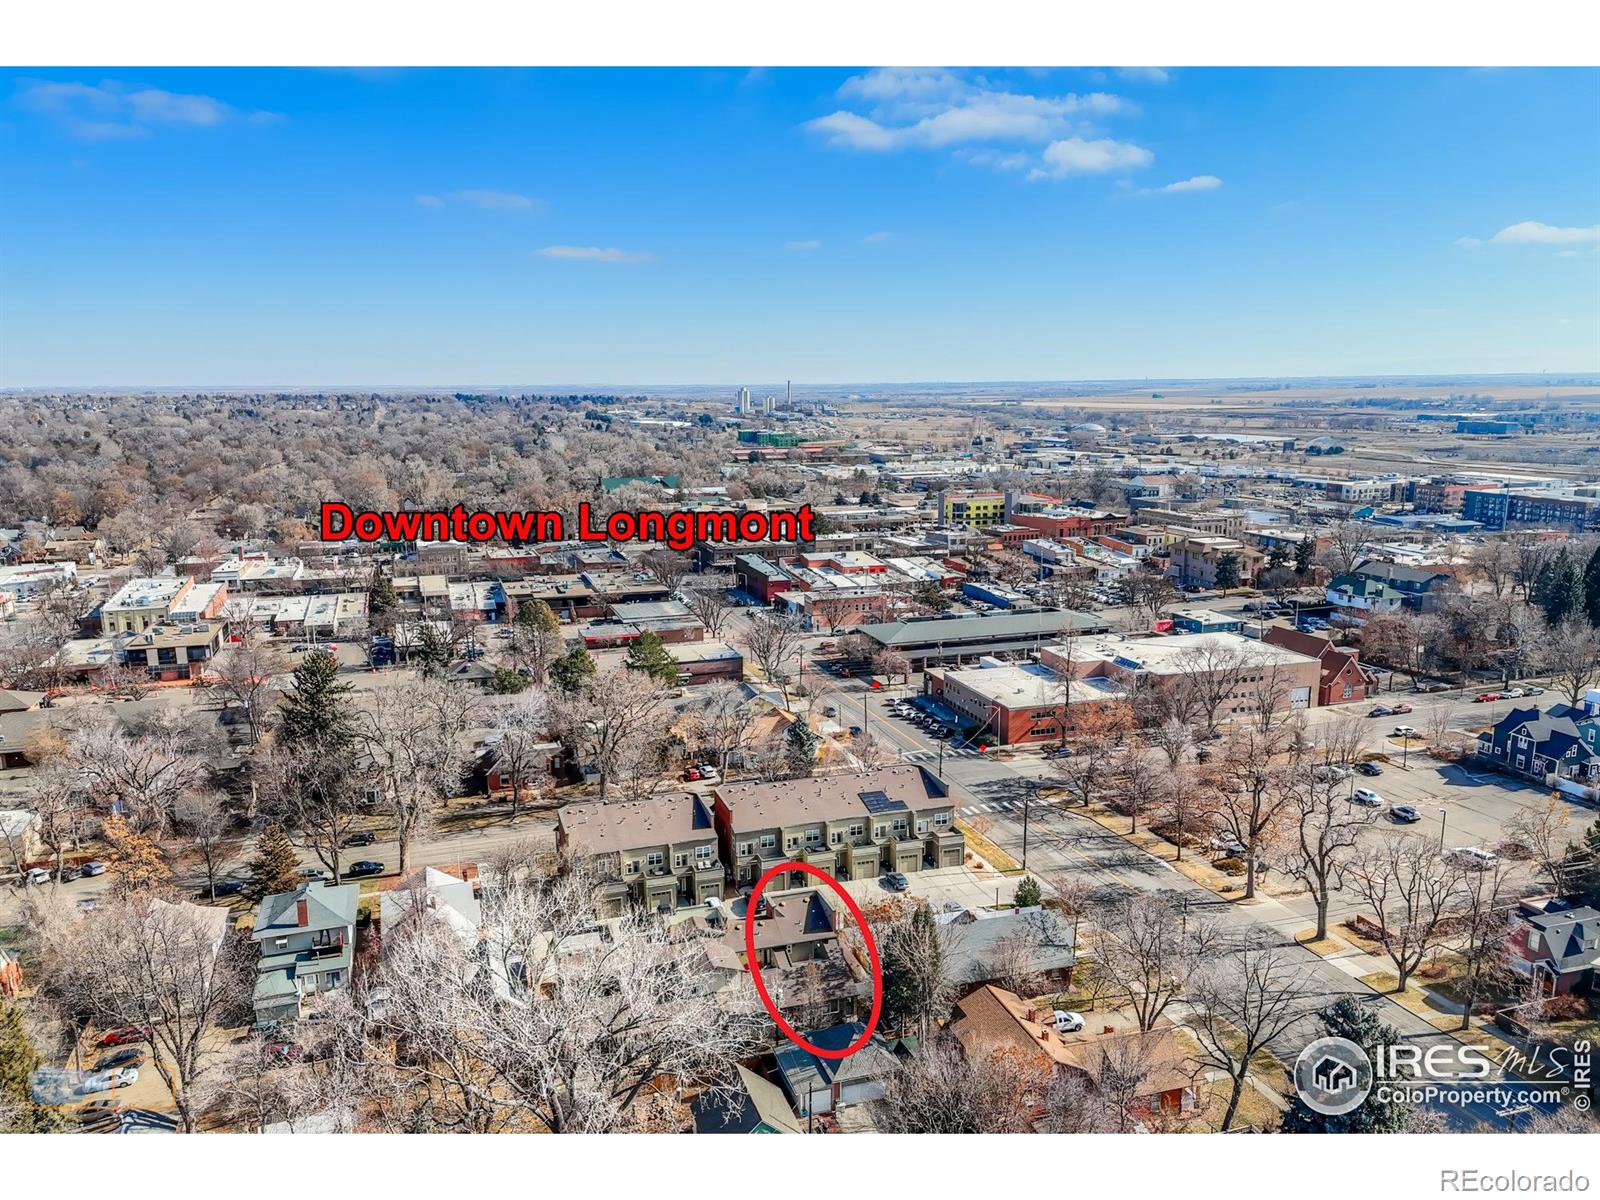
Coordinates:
(854, 826)
(143, 602)
(657, 853)
(174, 651)
(1257, 674)
(1194, 559)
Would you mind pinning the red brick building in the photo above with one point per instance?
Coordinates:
(1342, 681)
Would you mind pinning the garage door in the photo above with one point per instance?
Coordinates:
(1300, 698)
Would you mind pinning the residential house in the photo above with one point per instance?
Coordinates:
(1419, 587)
(756, 1106)
(1557, 945)
(659, 853)
(852, 826)
(20, 714)
(984, 944)
(307, 943)
(1363, 594)
(1558, 743)
(823, 1085)
(992, 1019)
(1342, 680)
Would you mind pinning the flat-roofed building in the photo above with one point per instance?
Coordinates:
(954, 639)
(143, 602)
(1018, 705)
(853, 826)
(174, 651)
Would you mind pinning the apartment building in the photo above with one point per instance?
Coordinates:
(1576, 508)
(973, 509)
(658, 853)
(1193, 560)
(853, 826)
(174, 651)
(143, 602)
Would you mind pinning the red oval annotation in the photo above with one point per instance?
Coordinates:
(755, 967)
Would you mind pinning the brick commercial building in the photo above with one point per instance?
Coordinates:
(1018, 705)
(1342, 679)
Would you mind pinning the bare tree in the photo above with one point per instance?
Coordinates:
(706, 597)
(1145, 947)
(774, 641)
(250, 675)
(1542, 833)
(411, 735)
(722, 719)
(203, 818)
(524, 1029)
(61, 814)
(1327, 828)
(1208, 675)
(314, 792)
(1173, 738)
(1409, 888)
(1253, 790)
(521, 724)
(1481, 931)
(892, 664)
(1571, 653)
(611, 717)
(141, 961)
(1347, 544)
(142, 772)
(943, 1089)
(1241, 1002)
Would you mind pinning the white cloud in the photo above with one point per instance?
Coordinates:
(488, 198)
(1196, 183)
(1075, 156)
(115, 110)
(1536, 233)
(604, 254)
(430, 202)
(806, 245)
(921, 108)
(1469, 241)
(873, 239)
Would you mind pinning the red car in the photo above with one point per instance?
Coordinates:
(1485, 697)
(125, 1035)
(692, 774)
(1400, 708)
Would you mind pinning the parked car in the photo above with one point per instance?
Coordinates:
(124, 1035)
(1431, 686)
(299, 647)
(1368, 768)
(893, 881)
(1366, 797)
(473, 653)
(128, 1056)
(1061, 752)
(36, 877)
(68, 874)
(1381, 710)
(1229, 845)
(107, 1081)
(1405, 814)
(1404, 731)
(365, 867)
(95, 1111)
(855, 731)
(1486, 697)
(1067, 1022)
(281, 1052)
(314, 873)
(94, 868)
(361, 837)
(1400, 709)
(709, 774)
(692, 775)
(1531, 690)
(1515, 693)
(1473, 857)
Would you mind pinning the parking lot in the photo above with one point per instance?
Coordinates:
(941, 886)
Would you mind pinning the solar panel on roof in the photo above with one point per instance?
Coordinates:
(878, 801)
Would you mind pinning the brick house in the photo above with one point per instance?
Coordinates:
(1342, 681)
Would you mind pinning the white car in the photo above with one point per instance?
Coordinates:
(94, 868)
(1067, 1022)
(1512, 694)
(1367, 798)
(107, 1081)
(1405, 731)
(37, 877)
(1474, 857)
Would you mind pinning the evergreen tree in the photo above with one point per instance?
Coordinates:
(276, 865)
(383, 603)
(316, 709)
(508, 682)
(1348, 1018)
(800, 749)
(1591, 587)
(648, 653)
(536, 614)
(432, 654)
(1303, 550)
(1558, 591)
(19, 1059)
(915, 991)
(927, 594)
(1228, 571)
(1277, 557)
(1029, 893)
(572, 670)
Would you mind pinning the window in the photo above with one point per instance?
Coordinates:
(857, 829)
(942, 820)
(655, 858)
(702, 855)
(633, 866)
(922, 826)
(790, 842)
(813, 838)
(879, 831)
(769, 841)
(746, 849)
(1533, 939)
(680, 859)
(836, 837)
(900, 826)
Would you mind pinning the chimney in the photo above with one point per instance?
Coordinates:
(302, 915)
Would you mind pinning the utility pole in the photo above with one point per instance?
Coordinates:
(1442, 815)
(1027, 793)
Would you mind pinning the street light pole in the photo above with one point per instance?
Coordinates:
(1027, 792)
(1442, 815)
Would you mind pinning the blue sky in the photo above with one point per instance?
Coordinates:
(237, 227)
